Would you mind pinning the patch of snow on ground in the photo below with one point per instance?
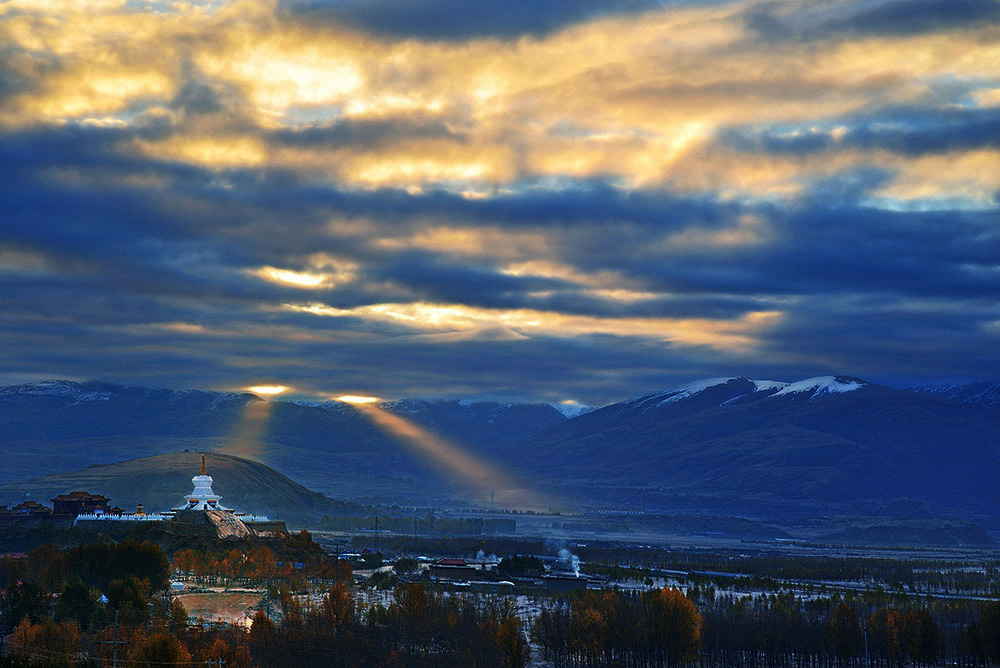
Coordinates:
(693, 389)
(764, 385)
(819, 386)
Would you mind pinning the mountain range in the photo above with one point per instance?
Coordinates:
(766, 449)
(61, 426)
(982, 393)
(820, 446)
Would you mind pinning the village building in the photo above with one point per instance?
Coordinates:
(453, 569)
(25, 510)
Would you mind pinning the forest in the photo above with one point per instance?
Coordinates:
(662, 627)
(91, 605)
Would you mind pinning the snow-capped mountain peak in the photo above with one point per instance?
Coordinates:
(739, 387)
(682, 392)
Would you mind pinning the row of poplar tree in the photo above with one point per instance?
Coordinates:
(663, 627)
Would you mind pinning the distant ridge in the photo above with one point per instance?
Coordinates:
(828, 445)
(982, 393)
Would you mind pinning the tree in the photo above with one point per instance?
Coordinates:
(232, 657)
(130, 596)
(922, 637)
(338, 607)
(412, 602)
(76, 602)
(512, 646)
(145, 561)
(972, 643)
(177, 616)
(675, 626)
(343, 571)
(48, 567)
(62, 639)
(989, 628)
(20, 600)
(404, 566)
(845, 633)
(263, 640)
(161, 649)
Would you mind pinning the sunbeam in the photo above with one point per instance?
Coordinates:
(459, 466)
(247, 440)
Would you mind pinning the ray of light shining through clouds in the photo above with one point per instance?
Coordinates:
(452, 462)
(249, 433)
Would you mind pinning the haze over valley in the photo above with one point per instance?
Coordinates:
(779, 454)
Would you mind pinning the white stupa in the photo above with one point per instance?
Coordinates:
(202, 498)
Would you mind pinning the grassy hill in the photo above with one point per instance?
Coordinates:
(161, 481)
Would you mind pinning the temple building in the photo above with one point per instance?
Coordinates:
(80, 503)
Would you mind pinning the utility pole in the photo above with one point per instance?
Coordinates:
(115, 661)
(115, 642)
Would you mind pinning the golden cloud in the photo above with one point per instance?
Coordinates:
(486, 241)
(734, 335)
(636, 98)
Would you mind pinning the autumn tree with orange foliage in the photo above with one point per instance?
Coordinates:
(49, 638)
(661, 627)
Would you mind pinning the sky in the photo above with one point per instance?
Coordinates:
(558, 200)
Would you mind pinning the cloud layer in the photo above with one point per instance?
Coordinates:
(553, 200)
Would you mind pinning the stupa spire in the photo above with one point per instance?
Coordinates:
(202, 498)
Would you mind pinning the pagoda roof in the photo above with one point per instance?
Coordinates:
(81, 496)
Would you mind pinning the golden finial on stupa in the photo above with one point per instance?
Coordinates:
(203, 471)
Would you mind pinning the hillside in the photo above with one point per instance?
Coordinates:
(160, 482)
(821, 446)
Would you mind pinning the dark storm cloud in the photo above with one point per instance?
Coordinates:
(917, 16)
(148, 283)
(363, 134)
(587, 203)
(910, 131)
(890, 338)
(196, 97)
(454, 20)
(144, 238)
(897, 18)
(831, 249)
(62, 195)
(433, 278)
(21, 70)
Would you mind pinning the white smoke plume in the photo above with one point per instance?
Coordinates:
(571, 560)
